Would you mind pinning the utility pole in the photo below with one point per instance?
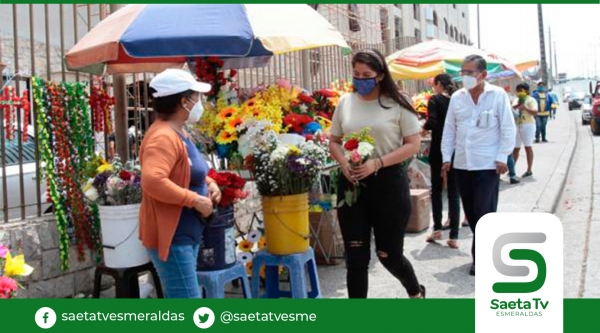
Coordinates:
(555, 62)
(478, 30)
(550, 76)
(543, 65)
(119, 91)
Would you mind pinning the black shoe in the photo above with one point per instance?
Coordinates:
(527, 174)
(472, 270)
(514, 181)
(544, 140)
(537, 140)
(423, 292)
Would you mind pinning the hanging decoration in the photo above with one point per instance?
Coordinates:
(101, 103)
(10, 104)
(66, 143)
(209, 70)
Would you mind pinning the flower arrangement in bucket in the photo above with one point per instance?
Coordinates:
(218, 248)
(358, 148)
(285, 168)
(11, 268)
(114, 191)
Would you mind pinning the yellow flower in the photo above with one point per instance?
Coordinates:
(226, 114)
(16, 266)
(294, 150)
(262, 243)
(232, 125)
(249, 268)
(246, 246)
(225, 137)
(105, 168)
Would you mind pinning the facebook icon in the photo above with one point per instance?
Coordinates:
(45, 317)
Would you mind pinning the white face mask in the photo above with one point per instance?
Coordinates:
(469, 82)
(195, 113)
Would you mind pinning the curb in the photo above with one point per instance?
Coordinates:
(550, 198)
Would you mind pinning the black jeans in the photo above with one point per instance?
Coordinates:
(384, 207)
(437, 184)
(479, 193)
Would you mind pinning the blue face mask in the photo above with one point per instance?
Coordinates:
(364, 86)
(541, 89)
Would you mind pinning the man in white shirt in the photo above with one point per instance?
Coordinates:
(480, 132)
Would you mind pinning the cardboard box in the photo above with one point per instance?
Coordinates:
(420, 212)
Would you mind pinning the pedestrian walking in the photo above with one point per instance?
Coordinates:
(527, 108)
(545, 102)
(555, 103)
(175, 184)
(383, 206)
(437, 109)
(480, 133)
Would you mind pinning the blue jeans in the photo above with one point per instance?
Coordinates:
(178, 274)
(511, 166)
(540, 127)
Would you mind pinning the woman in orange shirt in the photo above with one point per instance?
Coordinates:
(175, 185)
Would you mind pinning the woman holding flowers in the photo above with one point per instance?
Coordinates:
(175, 185)
(383, 201)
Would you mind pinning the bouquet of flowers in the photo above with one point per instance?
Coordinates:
(113, 184)
(284, 169)
(11, 267)
(420, 102)
(358, 148)
(231, 186)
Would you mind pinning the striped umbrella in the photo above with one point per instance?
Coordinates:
(150, 38)
(427, 59)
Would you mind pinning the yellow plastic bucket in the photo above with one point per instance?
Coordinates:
(286, 223)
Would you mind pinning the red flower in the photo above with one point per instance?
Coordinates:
(306, 99)
(327, 93)
(125, 175)
(310, 137)
(351, 144)
(232, 73)
(324, 115)
(8, 287)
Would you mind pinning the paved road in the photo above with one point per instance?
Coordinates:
(563, 181)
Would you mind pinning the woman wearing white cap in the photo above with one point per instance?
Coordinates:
(175, 184)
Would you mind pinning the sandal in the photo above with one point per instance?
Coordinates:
(435, 236)
(446, 225)
(453, 243)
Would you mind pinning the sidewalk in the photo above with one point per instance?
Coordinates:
(444, 271)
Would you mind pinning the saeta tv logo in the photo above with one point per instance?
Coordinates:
(519, 254)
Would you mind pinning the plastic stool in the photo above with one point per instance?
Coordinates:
(126, 280)
(295, 264)
(213, 282)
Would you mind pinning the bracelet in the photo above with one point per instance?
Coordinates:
(377, 166)
(381, 162)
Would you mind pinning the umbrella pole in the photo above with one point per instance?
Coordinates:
(119, 91)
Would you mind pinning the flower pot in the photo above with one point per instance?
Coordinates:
(120, 236)
(217, 250)
(286, 223)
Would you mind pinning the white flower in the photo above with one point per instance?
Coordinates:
(365, 149)
(279, 154)
(303, 161)
(244, 257)
(92, 194)
(254, 236)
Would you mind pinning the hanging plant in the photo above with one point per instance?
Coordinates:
(101, 103)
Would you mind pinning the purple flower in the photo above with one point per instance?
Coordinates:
(101, 179)
(299, 165)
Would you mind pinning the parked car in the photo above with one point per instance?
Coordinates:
(576, 100)
(12, 178)
(595, 121)
(566, 93)
(586, 111)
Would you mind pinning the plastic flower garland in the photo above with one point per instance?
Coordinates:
(101, 103)
(65, 137)
(10, 104)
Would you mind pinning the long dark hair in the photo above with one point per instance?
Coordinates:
(446, 81)
(376, 61)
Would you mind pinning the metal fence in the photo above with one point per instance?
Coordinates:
(33, 42)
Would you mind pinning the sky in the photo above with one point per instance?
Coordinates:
(512, 32)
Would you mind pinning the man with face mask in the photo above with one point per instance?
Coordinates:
(480, 132)
(545, 102)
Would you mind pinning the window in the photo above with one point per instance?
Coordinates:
(384, 17)
(451, 32)
(463, 15)
(435, 19)
(353, 17)
(398, 30)
(418, 34)
(454, 6)
(417, 11)
(445, 26)
(455, 33)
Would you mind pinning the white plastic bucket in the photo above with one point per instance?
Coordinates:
(120, 236)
